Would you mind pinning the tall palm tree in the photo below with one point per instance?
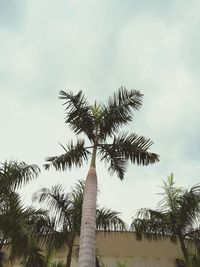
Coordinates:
(99, 123)
(66, 209)
(177, 216)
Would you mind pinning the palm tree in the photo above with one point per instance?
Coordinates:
(99, 123)
(12, 175)
(66, 209)
(17, 227)
(176, 216)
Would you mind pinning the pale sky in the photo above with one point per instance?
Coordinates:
(97, 46)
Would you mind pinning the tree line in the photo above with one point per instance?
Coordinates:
(33, 235)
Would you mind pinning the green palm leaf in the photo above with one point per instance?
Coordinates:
(57, 199)
(75, 155)
(34, 257)
(151, 224)
(78, 113)
(109, 220)
(117, 164)
(119, 110)
(14, 174)
(127, 147)
(170, 195)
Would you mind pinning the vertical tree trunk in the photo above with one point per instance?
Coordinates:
(185, 252)
(88, 222)
(69, 256)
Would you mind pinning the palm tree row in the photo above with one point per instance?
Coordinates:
(28, 230)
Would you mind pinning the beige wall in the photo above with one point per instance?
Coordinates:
(125, 244)
(115, 247)
(122, 247)
(144, 253)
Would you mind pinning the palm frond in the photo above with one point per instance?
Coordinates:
(189, 207)
(17, 224)
(14, 174)
(78, 113)
(135, 148)
(117, 164)
(58, 240)
(75, 155)
(34, 257)
(49, 234)
(193, 239)
(170, 195)
(127, 147)
(78, 188)
(109, 220)
(57, 200)
(66, 209)
(42, 225)
(119, 110)
(150, 224)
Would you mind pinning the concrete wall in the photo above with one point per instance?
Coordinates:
(122, 247)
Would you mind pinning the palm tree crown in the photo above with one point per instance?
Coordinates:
(98, 122)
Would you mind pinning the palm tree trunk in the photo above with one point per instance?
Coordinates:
(1, 258)
(88, 221)
(185, 252)
(69, 256)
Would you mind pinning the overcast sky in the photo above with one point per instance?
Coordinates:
(97, 46)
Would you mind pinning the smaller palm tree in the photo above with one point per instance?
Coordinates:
(13, 175)
(17, 228)
(177, 216)
(66, 209)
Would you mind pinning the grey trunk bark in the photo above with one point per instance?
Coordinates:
(88, 222)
